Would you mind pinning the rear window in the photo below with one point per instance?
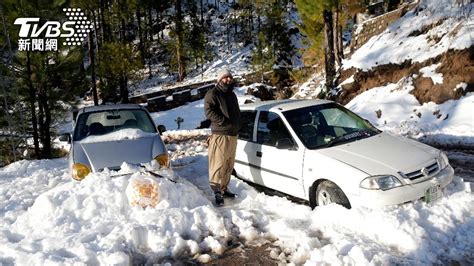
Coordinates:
(104, 122)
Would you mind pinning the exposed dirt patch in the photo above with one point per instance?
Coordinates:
(456, 66)
(179, 139)
(242, 255)
(264, 92)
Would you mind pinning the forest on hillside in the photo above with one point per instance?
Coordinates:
(133, 40)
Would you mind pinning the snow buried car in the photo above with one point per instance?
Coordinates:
(108, 135)
(319, 151)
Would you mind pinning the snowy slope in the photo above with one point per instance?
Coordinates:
(449, 123)
(435, 27)
(234, 55)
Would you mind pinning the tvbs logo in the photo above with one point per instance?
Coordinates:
(37, 37)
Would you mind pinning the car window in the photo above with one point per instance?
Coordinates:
(327, 124)
(271, 129)
(104, 122)
(248, 123)
(337, 118)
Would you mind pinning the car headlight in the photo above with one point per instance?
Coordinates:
(443, 160)
(163, 160)
(80, 171)
(383, 182)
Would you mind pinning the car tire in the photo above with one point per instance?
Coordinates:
(327, 192)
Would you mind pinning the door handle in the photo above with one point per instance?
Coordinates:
(259, 154)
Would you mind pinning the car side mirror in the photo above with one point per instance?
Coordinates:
(65, 137)
(285, 144)
(161, 129)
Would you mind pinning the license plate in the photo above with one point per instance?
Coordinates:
(433, 193)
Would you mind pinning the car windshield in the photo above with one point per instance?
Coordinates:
(107, 121)
(326, 125)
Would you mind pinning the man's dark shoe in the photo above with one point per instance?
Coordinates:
(219, 198)
(228, 194)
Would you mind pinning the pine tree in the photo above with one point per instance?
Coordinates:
(44, 79)
(262, 56)
(323, 18)
(273, 47)
(119, 63)
(196, 41)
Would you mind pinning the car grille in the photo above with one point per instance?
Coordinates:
(429, 171)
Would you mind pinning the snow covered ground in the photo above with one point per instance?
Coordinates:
(394, 109)
(47, 218)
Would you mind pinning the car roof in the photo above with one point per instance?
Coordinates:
(109, 107)
(283, 105)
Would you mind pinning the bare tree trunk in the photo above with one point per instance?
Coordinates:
(339, 41)
(7, 130)
(336, 34)
(92, 61)
(202, 14)
(106, 35)
(227, 31)
(259, 20)
(251, 28)
(96, 29)
(179, 42)
(32, 101)
(122, 31)
(152, 28)
(141, 43)
(41, 124)
(123, 89)
(329, 57)
(45, 124)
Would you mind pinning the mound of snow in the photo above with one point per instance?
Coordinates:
(393, 108)
(92, 222)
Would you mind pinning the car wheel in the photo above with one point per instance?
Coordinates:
(327, 192)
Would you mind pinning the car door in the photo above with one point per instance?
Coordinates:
(246, 148)
(279, 168)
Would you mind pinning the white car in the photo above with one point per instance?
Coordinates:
(321, 152)
(105, 136)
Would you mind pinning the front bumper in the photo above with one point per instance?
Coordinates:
(403, 194)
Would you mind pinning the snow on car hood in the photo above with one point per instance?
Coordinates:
(123, 134)
(383, 154)
(111, 150)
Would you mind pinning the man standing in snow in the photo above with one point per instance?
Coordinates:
(222, 109)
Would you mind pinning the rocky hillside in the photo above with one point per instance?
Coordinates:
(432, 46)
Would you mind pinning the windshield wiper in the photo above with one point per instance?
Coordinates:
(350, 136)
